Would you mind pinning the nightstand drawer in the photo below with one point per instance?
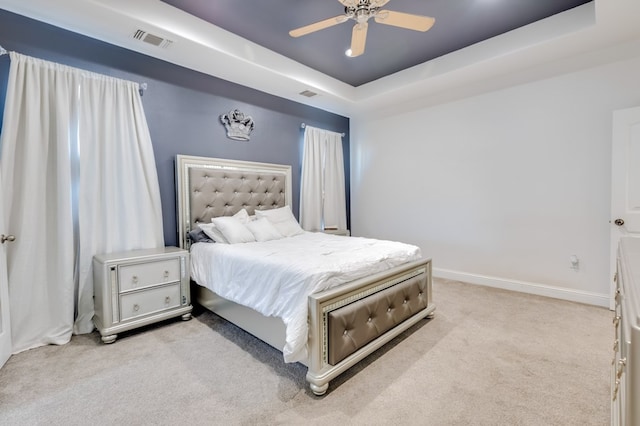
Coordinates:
(148, 274)
(145, 302)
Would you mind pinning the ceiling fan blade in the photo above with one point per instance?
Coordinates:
(379, 3)
(358, 39)
(349, 3)
(318, 26)
(405, 20)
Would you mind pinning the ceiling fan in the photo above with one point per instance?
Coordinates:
(360, 11)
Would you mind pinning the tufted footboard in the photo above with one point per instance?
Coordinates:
(358, 323)
(350, 322)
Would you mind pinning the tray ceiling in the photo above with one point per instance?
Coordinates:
(459, 24)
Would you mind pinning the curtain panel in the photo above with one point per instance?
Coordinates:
(79, 179)
(322, 186)
(36, 179)
(119, 204)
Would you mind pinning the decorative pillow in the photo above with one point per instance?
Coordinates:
(214, 233)
(197, 235)
(282, 219)
(263, 230)
(233, 230)
(242, 216)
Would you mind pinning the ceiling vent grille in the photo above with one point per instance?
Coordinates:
(308, 93)
(152, 39)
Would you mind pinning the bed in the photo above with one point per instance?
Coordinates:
(345, 320)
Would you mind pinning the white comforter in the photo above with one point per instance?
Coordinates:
(276, 277)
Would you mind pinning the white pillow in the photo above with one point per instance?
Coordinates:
(215, 234)
(233, 230)
(263, 230)
(282, 219)
(212, 232)
(242, 216)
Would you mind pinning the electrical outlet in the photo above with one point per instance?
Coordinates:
(574, 262)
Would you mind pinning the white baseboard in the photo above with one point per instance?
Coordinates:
(526, 287)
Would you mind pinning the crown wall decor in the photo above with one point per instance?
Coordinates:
(239, 126)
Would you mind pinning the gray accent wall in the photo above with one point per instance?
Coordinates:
(182, 106)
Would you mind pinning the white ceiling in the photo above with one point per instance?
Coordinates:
(592, 34)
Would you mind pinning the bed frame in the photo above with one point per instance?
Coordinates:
(346, 323)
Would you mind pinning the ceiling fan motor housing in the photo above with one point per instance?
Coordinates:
(361, 10)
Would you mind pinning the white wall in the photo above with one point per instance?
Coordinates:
(500, 189)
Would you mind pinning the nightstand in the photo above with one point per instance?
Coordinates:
(344, 232)
(140, 287)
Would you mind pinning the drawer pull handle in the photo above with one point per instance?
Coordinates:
(136, 307)
(616, 321)
(134, 279)
(621, 363)
(167, 300)
(166, 274)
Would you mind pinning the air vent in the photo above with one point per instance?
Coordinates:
(152, 39)
(308, 93)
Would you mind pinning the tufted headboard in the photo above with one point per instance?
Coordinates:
(212, 187)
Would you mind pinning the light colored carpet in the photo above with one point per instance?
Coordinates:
(489, 357)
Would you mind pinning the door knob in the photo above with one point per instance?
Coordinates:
(4, 238)
(619, 222)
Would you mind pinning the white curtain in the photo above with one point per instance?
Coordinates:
(79, 179)
(36, 178)
(119, 198)
(322, 193)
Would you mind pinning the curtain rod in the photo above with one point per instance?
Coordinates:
(303, 125)
(143, 86)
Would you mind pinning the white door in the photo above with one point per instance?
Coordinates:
(5, 326)
(625, 181)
